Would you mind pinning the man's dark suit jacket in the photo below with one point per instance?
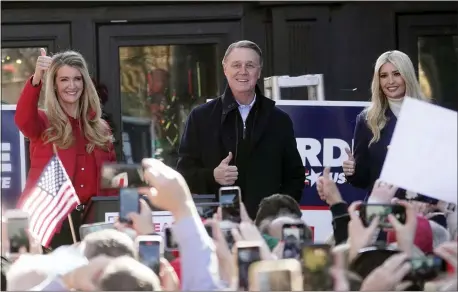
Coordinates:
(267, 158)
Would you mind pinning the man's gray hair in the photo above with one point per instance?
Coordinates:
(245, 44)
(109, 242)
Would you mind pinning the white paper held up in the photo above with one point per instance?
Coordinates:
(422, 156)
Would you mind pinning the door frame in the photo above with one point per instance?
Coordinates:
(412, 26)
(55, 36)
(111, 37)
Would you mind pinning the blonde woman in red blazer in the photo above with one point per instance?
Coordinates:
(71, 124)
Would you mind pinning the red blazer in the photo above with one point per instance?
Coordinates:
(32, 122)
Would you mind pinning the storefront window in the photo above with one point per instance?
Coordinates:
(18, 64)
(160, 85)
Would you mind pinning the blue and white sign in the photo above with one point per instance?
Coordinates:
(13, 172)
(323, 130)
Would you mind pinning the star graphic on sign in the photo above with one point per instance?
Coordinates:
(311, 177)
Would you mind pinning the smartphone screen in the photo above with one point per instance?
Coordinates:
(317, 259)
(293, 236)
(129, 202)
(275, 281)
(149, 253)
(427, 267)
(115, 176)
(91, 228)
(170, 242)
(369, 211)
(229, 200)
(245, 257)
(17, 234)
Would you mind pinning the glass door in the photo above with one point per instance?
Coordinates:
(159, 75)
(431, 41)
(20, 48)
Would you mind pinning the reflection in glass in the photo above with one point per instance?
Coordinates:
(438, 68)
(160, 85)
(18, 64)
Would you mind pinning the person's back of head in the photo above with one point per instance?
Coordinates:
(25, 273)
(370, 258)
(276, 205)
(127, 274)
(109, 242)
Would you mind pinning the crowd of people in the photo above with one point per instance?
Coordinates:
(351, 260)
(391, 240)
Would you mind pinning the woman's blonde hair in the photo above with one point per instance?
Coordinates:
(375, 113)
(89, 110)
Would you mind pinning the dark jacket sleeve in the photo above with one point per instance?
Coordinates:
(293, 170)
(361, 136)
(199, 179)
(340, 219)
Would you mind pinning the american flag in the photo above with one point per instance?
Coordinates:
(50, 201)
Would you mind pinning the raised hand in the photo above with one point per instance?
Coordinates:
(224, 173)
(383, 192)
(327, 189)
(349, 164)
(387, 276)
(42, 65)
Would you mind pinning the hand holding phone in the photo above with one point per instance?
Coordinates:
(317, 259)
(427, 267)
(17, 230)
(229, 200)
(150, 251)
(293, 235)
(276, 275)
(247, 254)
(129, 202)
(368, 212)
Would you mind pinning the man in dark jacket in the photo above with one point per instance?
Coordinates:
(241, 138)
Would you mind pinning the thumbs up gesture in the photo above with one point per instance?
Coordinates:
(224, 173)
(42, 65)
(327, 188)
(349, 164)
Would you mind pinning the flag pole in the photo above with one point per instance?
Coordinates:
(69, 217)
(72, 227)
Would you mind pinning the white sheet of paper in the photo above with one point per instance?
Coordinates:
(422, 156)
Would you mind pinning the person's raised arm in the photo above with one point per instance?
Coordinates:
(28, 118)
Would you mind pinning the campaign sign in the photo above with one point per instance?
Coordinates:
(13, 174)
(323, 130)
